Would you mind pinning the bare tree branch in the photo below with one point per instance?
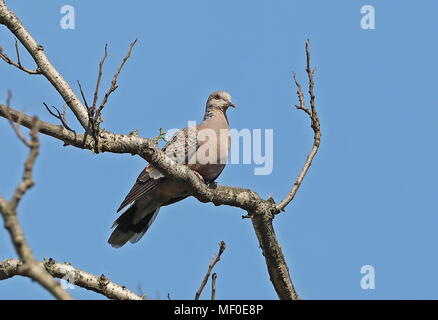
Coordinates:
(213, 286)
(15, 125)
(315, 126)
(27, 181)
(95, 115)
(8, 210)
(11, 21)
(302, 105)
(8, 98)
(262, 223)
(114, 85)
(91, 128)
(99, 76)
(18, 65)
(60, 116)
(213, 262)
(274, 257)
(101, 285)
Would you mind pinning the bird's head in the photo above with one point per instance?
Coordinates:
(219, 100)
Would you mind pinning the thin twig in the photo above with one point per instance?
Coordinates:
(83, 95)
(60, 116)
(213, 262)
(300, 94)
(213, 286)
(17, 52)
(18, 65)
(94, 113)
(9, 98)
(64, 112)
(15, 124)
(91, 128)
(114, 85)
(99, 76)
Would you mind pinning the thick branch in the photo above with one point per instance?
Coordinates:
(102, 285)
(274, 257)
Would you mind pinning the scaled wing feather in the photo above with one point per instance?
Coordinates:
(180, 149)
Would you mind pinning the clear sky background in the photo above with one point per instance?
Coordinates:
(369, 198)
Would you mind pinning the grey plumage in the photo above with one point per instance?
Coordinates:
(204, 153)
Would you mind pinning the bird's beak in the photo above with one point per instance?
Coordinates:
(232, 105)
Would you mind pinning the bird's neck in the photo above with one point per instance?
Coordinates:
(214, 113)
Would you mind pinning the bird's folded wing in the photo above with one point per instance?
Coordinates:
(183, 145)
(143, 185)
(180, 149)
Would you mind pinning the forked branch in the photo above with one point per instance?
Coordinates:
(314, 123)
(17, 64)
(114, 85)
(94, 112)
(213, 262)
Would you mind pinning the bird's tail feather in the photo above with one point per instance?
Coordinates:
(128, 230)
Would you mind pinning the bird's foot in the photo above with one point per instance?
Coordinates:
(212, 185)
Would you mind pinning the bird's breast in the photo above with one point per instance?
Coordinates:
(212, 154)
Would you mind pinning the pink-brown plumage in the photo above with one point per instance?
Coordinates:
(203, 148)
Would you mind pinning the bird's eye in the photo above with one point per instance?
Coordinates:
(217, 97)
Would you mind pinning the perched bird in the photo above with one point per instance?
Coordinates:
(203, 148)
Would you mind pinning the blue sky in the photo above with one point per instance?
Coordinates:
(369, 198)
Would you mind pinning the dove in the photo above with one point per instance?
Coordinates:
(203, 148)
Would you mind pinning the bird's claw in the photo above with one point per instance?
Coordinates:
(212, 185)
